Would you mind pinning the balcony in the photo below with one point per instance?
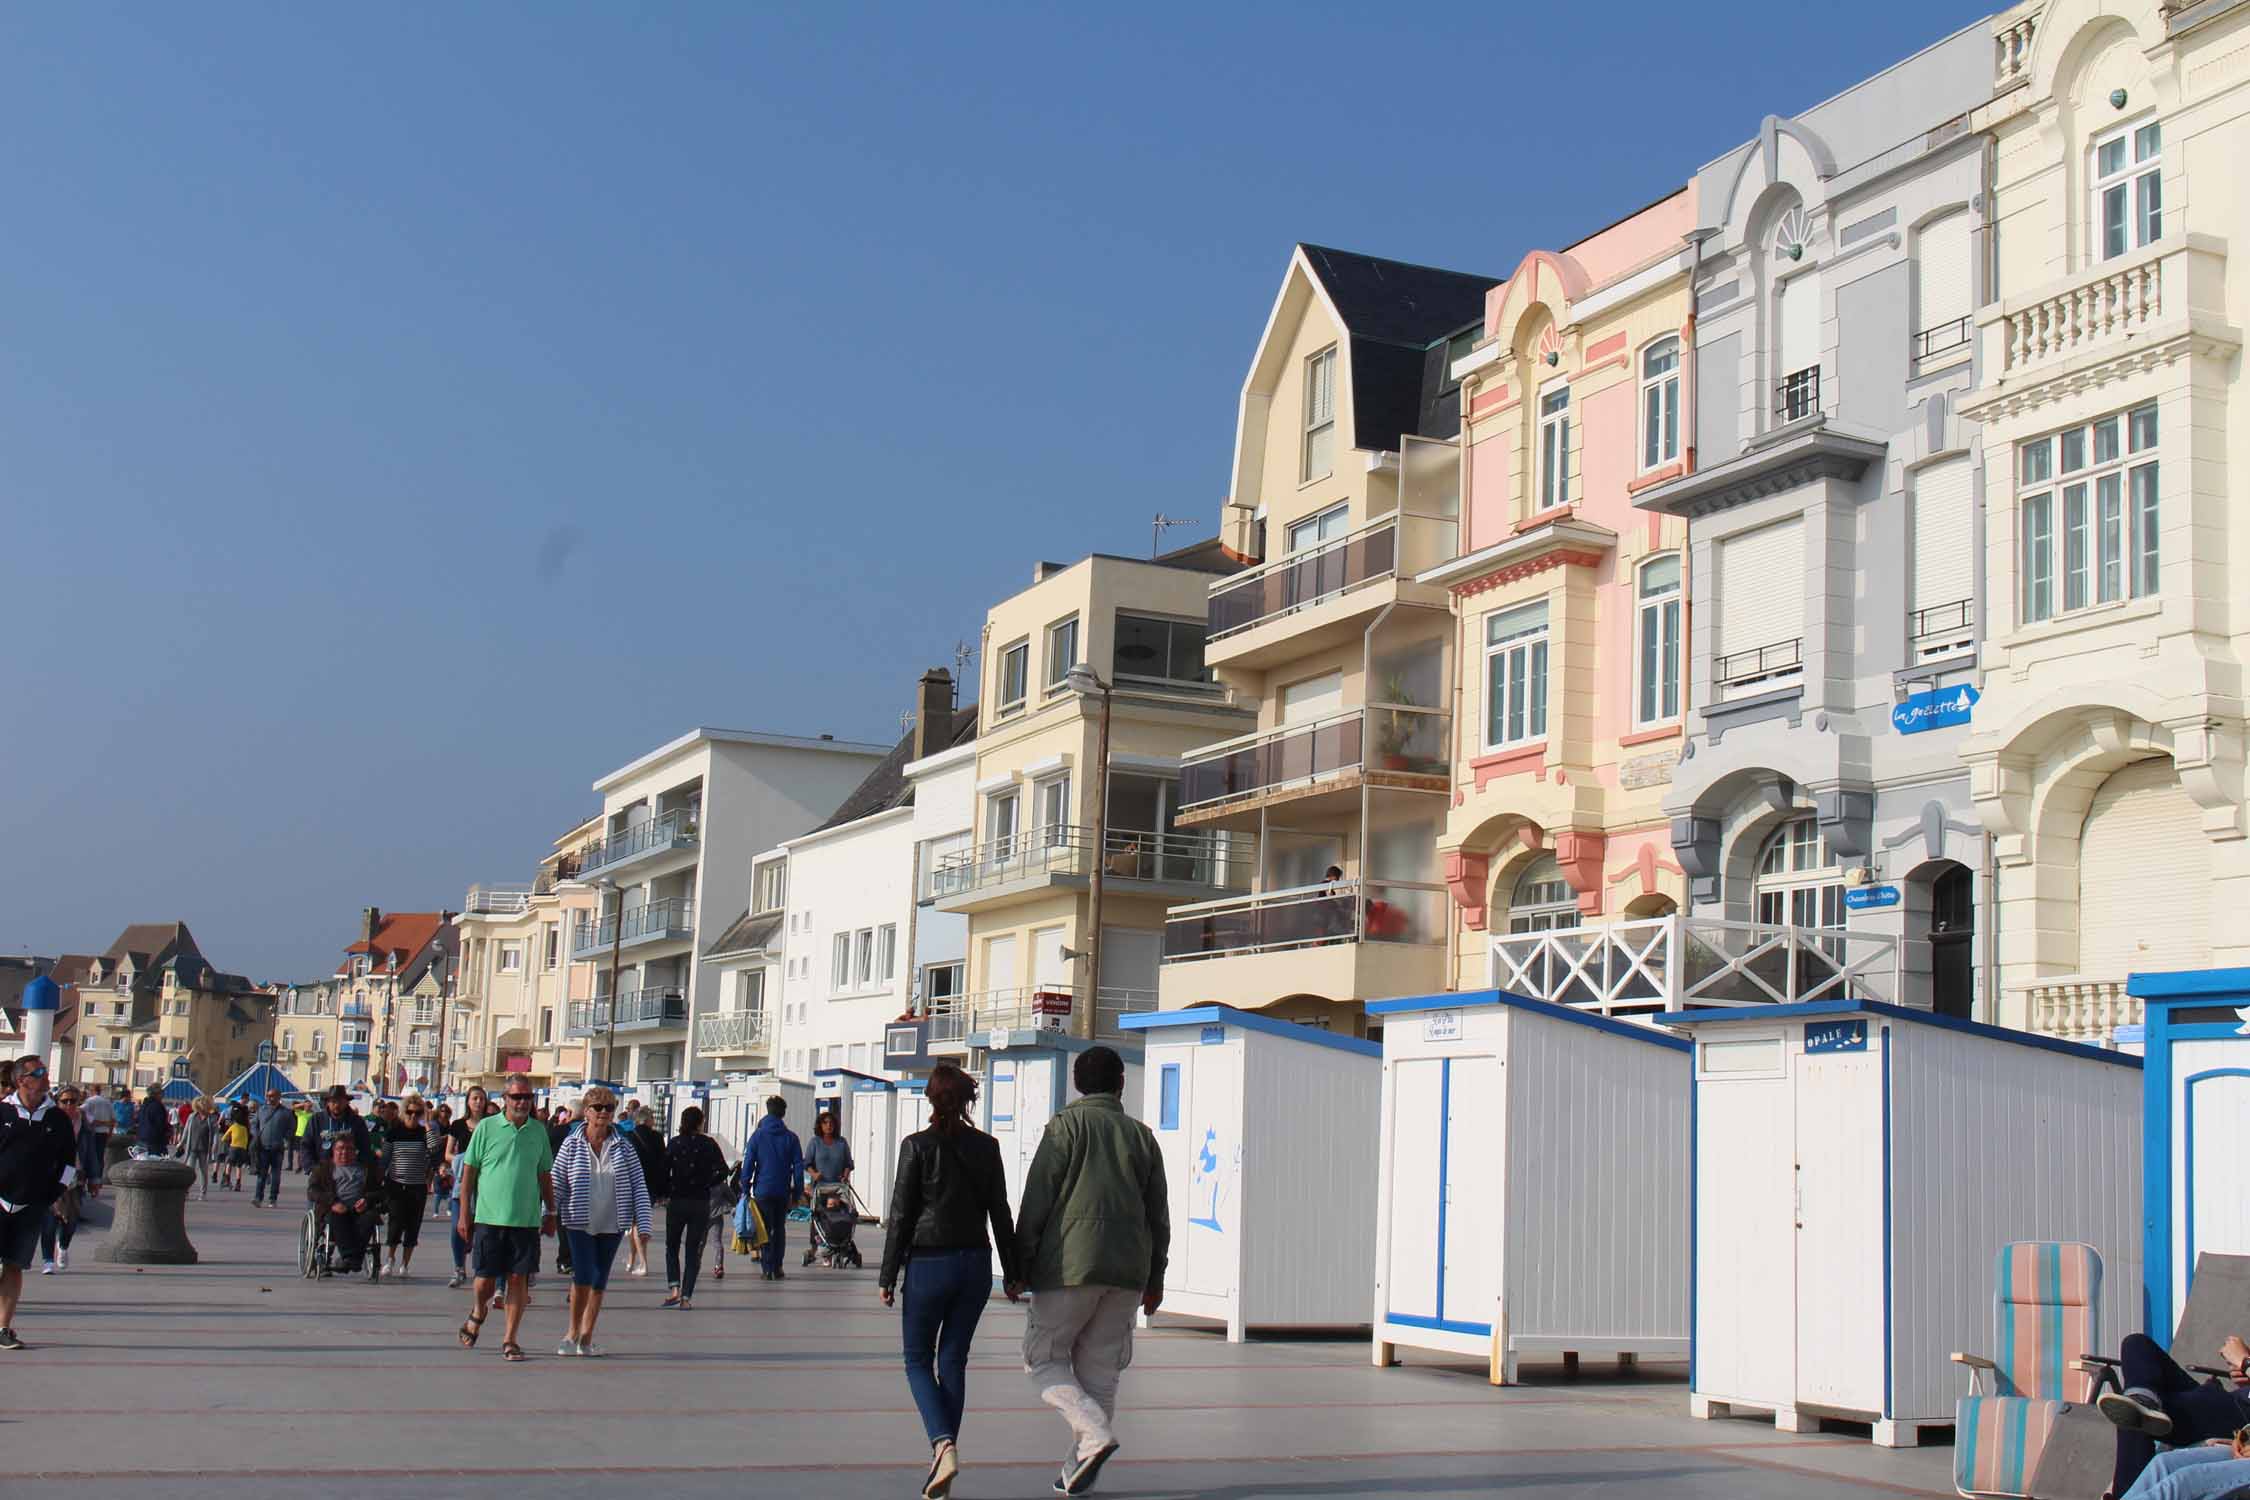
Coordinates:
(420, 1049)
(670, 920)
(1797, 395)
(650, 1008)
(1311, 940)
(1321, 756)
(966, 1021)
(731, 1032)
(355, 1011)
(1179, 866)
(642, 843)
(2078, 1008)
(352, 1051)
(1688, 963)
(496, 900)
(1312, 599)
(1761, 669)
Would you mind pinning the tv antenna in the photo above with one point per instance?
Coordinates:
(1160, 525)
(963, 654)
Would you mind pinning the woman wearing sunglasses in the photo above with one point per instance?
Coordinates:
(599, 1194)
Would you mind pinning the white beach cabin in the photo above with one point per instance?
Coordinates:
(1027, 1079)
(2196, 1107)
(1533, 1197)
(865, 1110)
(1266, 1131)
(1857, 1167)
(736, 1103)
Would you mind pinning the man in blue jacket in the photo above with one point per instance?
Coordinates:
(773, 1174)
(153, 1128)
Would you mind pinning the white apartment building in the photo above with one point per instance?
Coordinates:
(680, 827)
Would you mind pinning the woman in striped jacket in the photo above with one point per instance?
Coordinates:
(599, 1193)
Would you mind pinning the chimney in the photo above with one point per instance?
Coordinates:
(370, 923)
(933, 713)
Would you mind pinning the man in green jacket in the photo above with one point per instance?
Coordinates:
(1093, 1235)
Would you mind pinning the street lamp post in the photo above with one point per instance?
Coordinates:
(1083, 681)
(445, 1015)
(616, 948)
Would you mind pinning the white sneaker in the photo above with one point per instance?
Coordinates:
(48, 1269)
(568, 1347)
(62, 1260)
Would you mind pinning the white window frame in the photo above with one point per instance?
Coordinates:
(511, 958)
(1658, 615)
(840, 963)
(863, 957)
(1062, 653)
(2089, 515)
(886, 952)
(1317, 452)
(1554, 447)
(1542, 900)
(1308, 533)
(1015, 659)
(1517, 664)
(2137, 184)
(1797, 878)
(1660, 405)
(1050, 808)
(1003, 841)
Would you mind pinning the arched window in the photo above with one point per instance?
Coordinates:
(1543, 900)
(1660, 403)
(1799, 882)
(1658, 606)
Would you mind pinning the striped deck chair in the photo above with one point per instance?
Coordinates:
(2044, 1318)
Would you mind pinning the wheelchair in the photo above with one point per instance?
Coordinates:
(316, 1252)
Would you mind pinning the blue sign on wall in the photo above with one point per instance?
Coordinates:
(1214, 1035)
(1868, 897)
(1836, 1036)
(1938, 708)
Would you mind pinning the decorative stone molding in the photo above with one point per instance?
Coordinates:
(1563, 557)
(1467, 876)
(1579, 852)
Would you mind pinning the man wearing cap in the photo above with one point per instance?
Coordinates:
(338, 1119)
(38, 1159)
(507, 1203)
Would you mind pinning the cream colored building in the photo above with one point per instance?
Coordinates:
(516, 982)
(152, 1001)
(388, 999)
(1025, 878)
(1345, 488)
(305, 1035)
(2107, 758)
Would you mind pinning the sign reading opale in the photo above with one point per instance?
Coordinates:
(1441, 1026)
(1937, 708)
(1836, 1036)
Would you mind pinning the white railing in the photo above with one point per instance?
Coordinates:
(1219, 861)
(731, 1031)
(2011, 62)
(2115, 300)
(1031, 1008)
(2078, 1008)
(497, 900)
(1676, 962)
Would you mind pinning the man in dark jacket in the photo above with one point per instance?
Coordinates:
(337, 1118)
(152, 1127)
(1093, 1235)
(272, 1133)
(773, 1174)
(38, 1159)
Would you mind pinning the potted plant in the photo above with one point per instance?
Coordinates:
(1395, 729)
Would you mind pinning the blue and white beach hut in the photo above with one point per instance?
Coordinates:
(1269, 1159)
(2196, 1116)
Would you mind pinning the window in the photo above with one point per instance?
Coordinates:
(1659, 590)
(1320, 415)
(2128, 189)
(1554, 448)
(1000, 822)
(1942, 284)
(770, 886)
(288, 1039)
(1062, 651)
(1942, 619)
(1799, 882)
(942, 981)
(1015, 675)
(554, 945)
(863, 971)
(1051, 804)
(511, 958)
(1660, 403)
(886, 952)
(1543, 900)
(546, 1025)
(1168, 1097)
(2089, 527)
(1312, 531)
(1168, 650)
(840, 962)
(316, 1046)
(1515, 676)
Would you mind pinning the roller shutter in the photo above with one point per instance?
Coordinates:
(2144, 876)
(1944, 545)
(1942, 263)
(1761, 578)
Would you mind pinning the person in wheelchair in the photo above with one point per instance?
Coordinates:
(343, 1194)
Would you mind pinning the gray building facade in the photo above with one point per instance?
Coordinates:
(1833, 502)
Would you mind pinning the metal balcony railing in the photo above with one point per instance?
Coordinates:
(673, 917)
(1797, 394)
(1301, 578)
(732, 1031)
(1411, 741)
(1032, 1008)
(674, 830)
(1306, 916)
(1943, 338)
(1676, 962)
(1760, 664)
(497, 900)
(1219, 861)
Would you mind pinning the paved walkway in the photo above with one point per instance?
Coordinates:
(239, 1373)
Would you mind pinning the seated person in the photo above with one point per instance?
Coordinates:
(2163, 1403)
(344, 1196)
(2214, 1469)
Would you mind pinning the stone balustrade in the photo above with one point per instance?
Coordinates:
(2076, 1008)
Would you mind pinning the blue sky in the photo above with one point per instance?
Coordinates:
(409, 413)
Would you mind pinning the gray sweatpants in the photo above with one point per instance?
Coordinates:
(1076, 1343)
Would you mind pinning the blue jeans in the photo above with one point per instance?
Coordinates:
(775, 1211)
(269, 1175)
(944, 1296)
(2191, 1474)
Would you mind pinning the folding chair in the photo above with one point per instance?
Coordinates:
(2045, 1319)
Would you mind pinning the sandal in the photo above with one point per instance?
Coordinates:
(512, 1352)
(672, 1297)
(470, 1331)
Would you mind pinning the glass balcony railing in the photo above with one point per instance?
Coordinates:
(650, 1005)
(1302, 578)
(1306, 916)
(674, 830)
(1410, 741)
(1033, 1008)
(670, 919)
(1223, 862)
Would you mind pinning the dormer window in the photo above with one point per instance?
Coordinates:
(1320, 415)
(2129, 188)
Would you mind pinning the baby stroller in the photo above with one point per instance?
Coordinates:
(833, 1220)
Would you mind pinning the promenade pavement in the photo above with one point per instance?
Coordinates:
(239, 1375)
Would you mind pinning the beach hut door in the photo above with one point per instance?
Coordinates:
(1213, 1230)
(1839, 1190)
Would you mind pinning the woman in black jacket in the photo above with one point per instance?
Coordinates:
(948, 1187)
(694, 1167)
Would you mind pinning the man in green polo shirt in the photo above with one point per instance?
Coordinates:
(507, 1203)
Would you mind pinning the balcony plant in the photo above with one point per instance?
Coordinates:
(1394, 731)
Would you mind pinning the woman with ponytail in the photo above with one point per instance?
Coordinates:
(948, 1188)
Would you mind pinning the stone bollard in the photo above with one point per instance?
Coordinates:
(115, 1146)
(148, 1224)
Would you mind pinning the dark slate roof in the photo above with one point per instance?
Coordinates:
(744, 933)
(1396, 312)
(886, 787)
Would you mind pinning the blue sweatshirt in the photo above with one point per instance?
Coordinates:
(773, 1164)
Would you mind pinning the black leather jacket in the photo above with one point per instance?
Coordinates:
(949, 1186)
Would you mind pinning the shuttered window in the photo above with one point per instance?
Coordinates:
(1941, 265)
(1944, 559)
(1312, 698)
(1761, 625)
(1800, 323)
(2144, 876)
